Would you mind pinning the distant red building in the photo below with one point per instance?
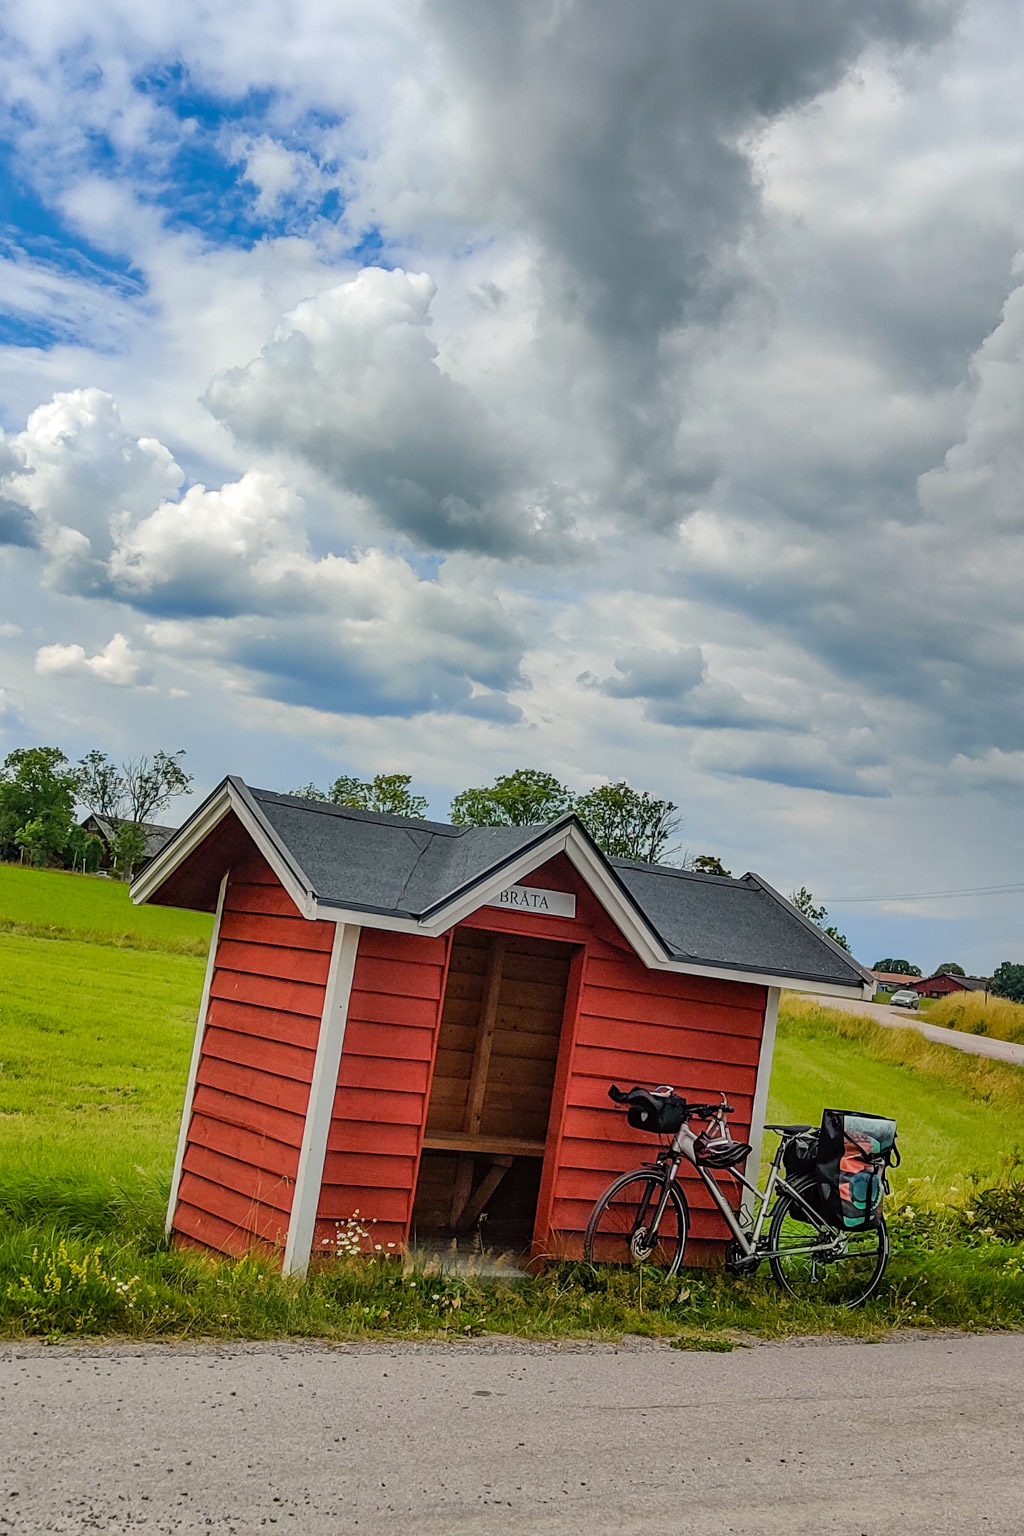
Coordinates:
(942, 984)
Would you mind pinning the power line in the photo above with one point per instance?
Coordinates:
(977, 890)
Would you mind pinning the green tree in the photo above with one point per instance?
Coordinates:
(805, 903)
(897, 967)
(33, 840)
(525, 798)
(128, 848)
(101, 786)
(37, 790)
(949, 968)
(387, 793)
(83, 850)
(1008, 981)
(628, 823)
(311, 792)
(709, 864)
(138, 790)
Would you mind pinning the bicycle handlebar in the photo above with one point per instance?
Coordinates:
(691, 1111)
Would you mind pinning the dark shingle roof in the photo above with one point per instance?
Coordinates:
(731, 922)
(385, 863)
(391, 864)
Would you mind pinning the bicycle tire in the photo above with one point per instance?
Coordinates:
(613, 1223)
(848, 1282)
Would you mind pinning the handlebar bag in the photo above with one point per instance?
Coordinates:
(854, 1153)
(660, 1113)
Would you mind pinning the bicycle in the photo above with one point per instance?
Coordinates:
(643, 1216)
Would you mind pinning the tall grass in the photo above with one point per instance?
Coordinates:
(56, 1285)
(978, 1013)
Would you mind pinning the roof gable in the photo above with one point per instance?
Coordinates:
(422, 876)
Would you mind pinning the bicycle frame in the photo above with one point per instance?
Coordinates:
(749, 1238)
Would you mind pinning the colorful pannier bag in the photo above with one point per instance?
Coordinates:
(854, 1152)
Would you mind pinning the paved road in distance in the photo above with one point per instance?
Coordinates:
(919, 1435)
(908, 1018)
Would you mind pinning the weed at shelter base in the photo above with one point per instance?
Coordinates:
(381, 1034)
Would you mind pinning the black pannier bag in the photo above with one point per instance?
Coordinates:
(854, 1153)
(800, 1156)
(800, 1160)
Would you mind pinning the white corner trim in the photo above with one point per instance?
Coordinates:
(197, 1052)
(306, 1194)
(760, 1105)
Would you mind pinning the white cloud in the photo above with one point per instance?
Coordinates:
(116, 663)
(350, 383)
(676, 282)
(79, 473)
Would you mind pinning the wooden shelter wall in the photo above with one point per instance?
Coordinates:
(637, 1026)
(252, 1085)
(380, 1106)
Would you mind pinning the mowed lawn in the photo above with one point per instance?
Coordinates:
(957, 1114)
(93, 907)
(93, 1059)
(95, 1036)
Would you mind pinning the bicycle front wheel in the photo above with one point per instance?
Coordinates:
(620, 1229)
(845, 1280)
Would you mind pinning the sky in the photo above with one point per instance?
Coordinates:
(632, 392)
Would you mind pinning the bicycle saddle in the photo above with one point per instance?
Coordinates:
(790, 1130)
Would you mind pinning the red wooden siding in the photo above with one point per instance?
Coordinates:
(622, 1023)
(252, 1086)
(383, 1085)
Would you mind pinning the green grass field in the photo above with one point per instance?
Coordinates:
(95, 1038)
(55, 902)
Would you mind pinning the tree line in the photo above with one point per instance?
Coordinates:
(40, 791)
(626, 823)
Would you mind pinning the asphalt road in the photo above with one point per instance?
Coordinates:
(907, 1018)
(918, 1435)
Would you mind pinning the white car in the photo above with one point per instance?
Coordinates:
(905, 998)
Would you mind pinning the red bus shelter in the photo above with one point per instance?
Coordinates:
(416, 1024)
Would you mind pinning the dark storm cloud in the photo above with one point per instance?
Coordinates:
(616, 134)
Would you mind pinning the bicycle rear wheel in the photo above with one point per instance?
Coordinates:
(847, 1281)
(618, 1231)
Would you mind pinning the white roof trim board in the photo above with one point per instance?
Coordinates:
(428, 876)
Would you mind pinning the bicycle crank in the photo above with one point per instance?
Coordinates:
(737, 1262)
